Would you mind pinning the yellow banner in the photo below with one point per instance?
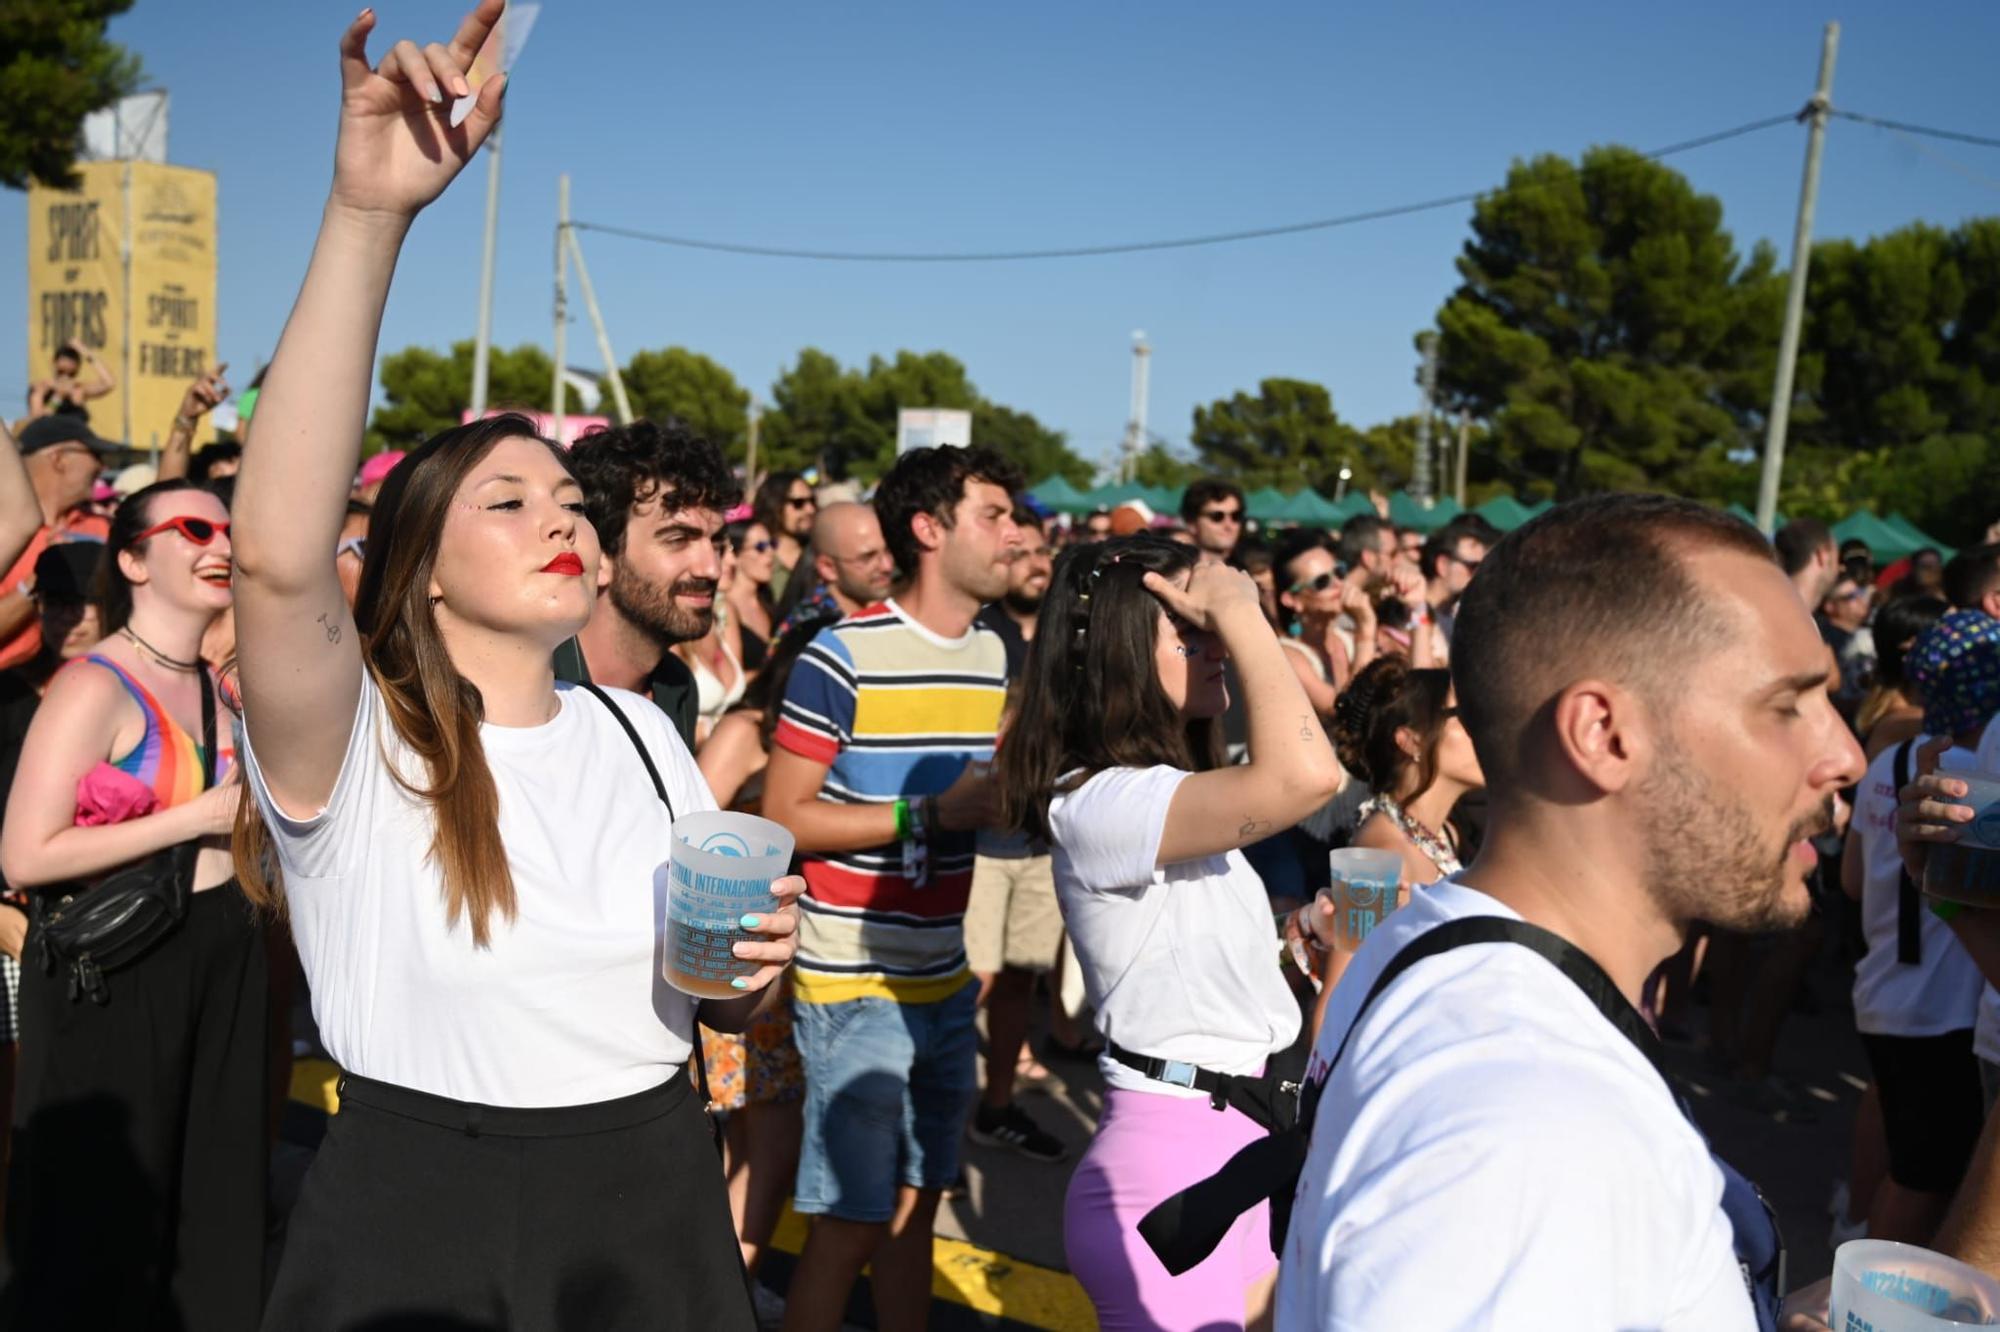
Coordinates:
(158, 335)
(76, 282)
(173, 294)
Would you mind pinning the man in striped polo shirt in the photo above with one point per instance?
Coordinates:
(873, 770)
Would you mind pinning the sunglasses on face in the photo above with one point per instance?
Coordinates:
(758, 547)
(1462, 561)
(1223, 515)
(201, 531)
(1317, 583)
(800, 502)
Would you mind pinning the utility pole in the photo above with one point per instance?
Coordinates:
(750, 454)
(1464, 447)
(1420, 468)
(1795, 291)
(482, 346)
(603, 335)
(558, 397)
(1135, 423)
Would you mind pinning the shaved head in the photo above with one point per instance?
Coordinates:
(850, 554)
(1600, 588)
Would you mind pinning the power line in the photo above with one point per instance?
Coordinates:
(1957, 136)
(1134, 247)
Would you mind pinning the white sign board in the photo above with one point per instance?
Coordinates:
(131, 129)
(927, 427)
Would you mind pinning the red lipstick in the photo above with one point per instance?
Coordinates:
(565, 563)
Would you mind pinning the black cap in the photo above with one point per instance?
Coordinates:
(45, 432)
(66, 573)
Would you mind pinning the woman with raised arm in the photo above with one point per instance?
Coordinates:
(466, 850)
(136, 1188)
(1113, 760)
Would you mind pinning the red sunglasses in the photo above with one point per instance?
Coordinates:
(201, 531)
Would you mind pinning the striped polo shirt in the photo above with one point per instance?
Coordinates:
(893, 710)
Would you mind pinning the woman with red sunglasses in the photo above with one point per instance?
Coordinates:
(136, 1189)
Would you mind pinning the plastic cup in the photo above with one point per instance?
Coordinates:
(1363, 892)
(1882, 1286)
(1968, 869)
(721, 868)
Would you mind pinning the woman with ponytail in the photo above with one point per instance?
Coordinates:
(1113, 760)
(1397, 729)
(466, 851)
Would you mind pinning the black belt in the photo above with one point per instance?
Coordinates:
(1177, 1073)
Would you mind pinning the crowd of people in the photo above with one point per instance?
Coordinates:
(405, 737)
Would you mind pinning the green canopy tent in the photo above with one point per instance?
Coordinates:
(1504, 512)
(1405, 511)
(1309, 508)
(1885, 541)
(1264, 504)
(1351, 505)
(1918, 535)
(1059, 495)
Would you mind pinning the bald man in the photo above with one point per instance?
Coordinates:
(850, 556)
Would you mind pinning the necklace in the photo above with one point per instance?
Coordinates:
(1434, 846)
(171, 663)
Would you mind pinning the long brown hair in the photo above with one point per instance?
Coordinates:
(435, 711)
(1091, 697)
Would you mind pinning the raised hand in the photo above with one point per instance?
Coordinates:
(204, 393)
(1212, 592)
(398, 148)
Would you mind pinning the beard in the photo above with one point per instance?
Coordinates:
(1024, 602)
(1705, 859)
(651, 607)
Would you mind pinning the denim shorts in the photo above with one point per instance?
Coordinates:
(888, 1087)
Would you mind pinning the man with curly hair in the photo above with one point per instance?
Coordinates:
(656, 492)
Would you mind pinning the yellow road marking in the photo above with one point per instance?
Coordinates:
(982, 1280)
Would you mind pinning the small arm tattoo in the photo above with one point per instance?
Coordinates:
(1305, 728)
(331, 625)
(1254, 827)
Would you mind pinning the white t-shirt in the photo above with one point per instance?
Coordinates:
(1940, 993)
(567, 1005)
(1181, 962)
(1492, 1153)
(1986, 1027)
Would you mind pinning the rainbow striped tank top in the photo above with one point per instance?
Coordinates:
(167, 759)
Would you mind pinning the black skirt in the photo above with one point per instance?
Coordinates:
(423, 1213)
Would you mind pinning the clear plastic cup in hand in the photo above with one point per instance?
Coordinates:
(1967, 869)
(1882, 1286)
(722, 866)
(1364, 890)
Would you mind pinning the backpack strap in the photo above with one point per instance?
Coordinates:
(1186, 1228)
(1909, 903)
(660, 789)
(632, 734)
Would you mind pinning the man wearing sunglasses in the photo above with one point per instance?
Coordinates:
(1213, 510)
(786, 507)
(62, 458)
(1449, 560)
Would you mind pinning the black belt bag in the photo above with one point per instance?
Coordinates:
(1270, 1098)
(118, 920)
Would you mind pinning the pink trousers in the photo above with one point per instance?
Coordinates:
(1149, 1147)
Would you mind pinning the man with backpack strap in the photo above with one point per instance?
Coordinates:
(1493, 1143)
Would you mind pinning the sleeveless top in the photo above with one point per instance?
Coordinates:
(713, 698)
(167, 760)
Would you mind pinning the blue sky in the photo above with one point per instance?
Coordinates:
(945, 126)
